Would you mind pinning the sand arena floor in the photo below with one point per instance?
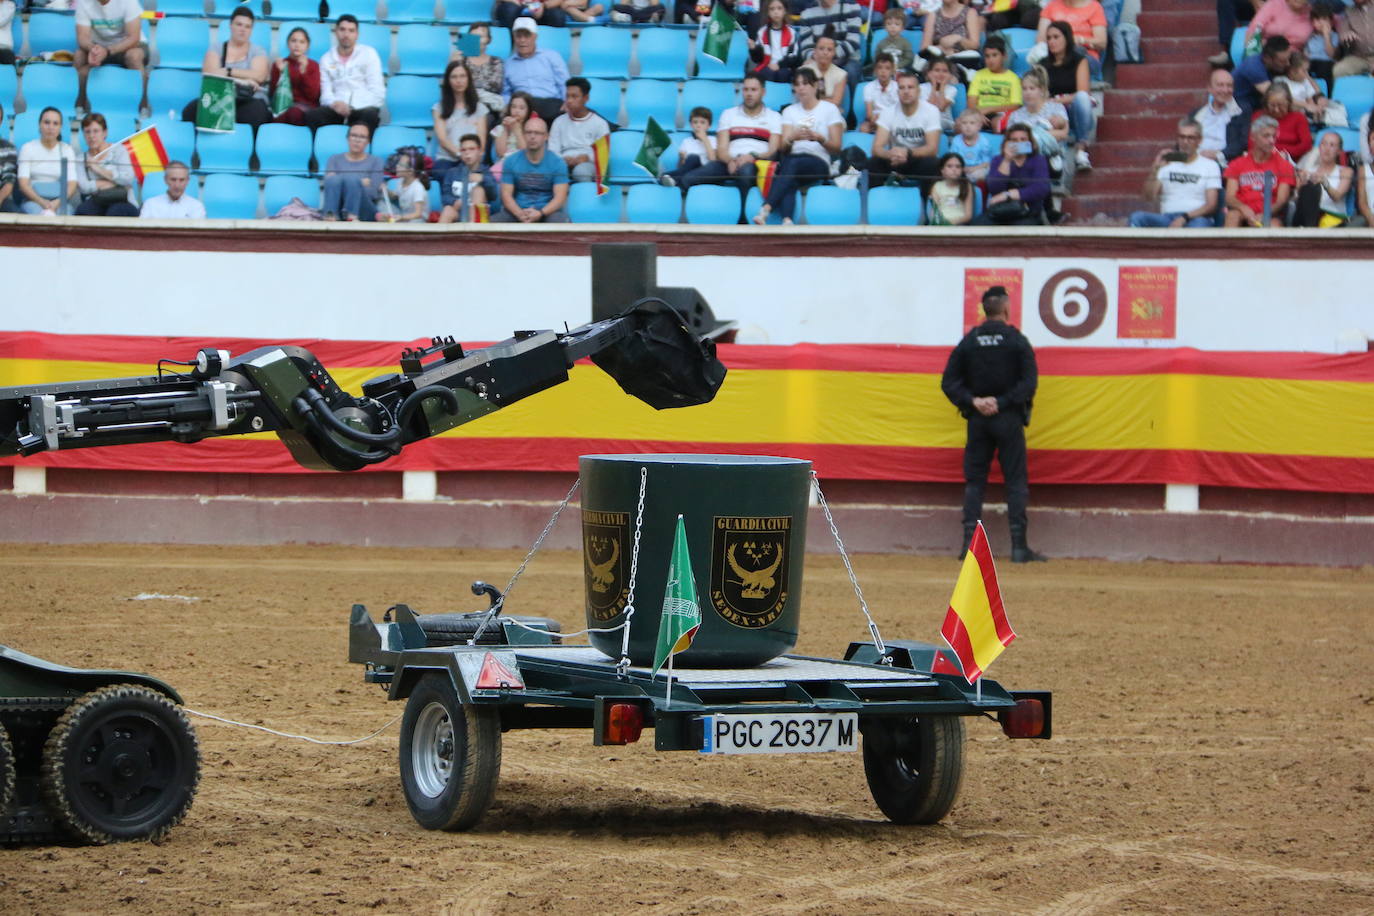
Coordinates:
(1213, 751)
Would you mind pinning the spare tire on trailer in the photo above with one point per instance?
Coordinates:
(456, 629)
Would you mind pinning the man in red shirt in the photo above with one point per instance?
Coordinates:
(1245, 179)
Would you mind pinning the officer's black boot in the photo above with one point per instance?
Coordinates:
(1021, 552)
(968, 537)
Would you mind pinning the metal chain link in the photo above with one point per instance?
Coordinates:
(624, 664)
(853, 579)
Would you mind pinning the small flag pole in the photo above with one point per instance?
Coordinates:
(668, 695)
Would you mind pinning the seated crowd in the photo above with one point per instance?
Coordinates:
(510, 136)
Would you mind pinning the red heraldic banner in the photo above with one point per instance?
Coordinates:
(976, 282)
(1147, 302)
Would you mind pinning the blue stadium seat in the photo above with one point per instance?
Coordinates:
(894, 207)
(289, 9)
(230, 197)
(50, 84)
(466, 11)
(422, 49)
(651, 203)
(114, 89)
(713, 94)
(752, 202)
(181, 43)
(330, 139)
(604, 52)
(625, 146)
(410, 11)
(777, 96)
(224, 152)
(278, 190)
(584, 206)
(651, 97)
(1020, 40)
(500, 42)
(1237, 47)
(664, 53)
(50, 32)
(155, 183)
(391, 137)
(26, 127)
(410, 98)
(1350, 137)
(364, 10)
(170, 90)
(827, 205)
(9, 87)
(556, 39)
(15, 36)
(712, 205)
(178, 138)
(181, 7)
(284, 149)
(711, 69)
(119, 125)
(605, 98)
(321, 37)
(857, 138)
(1357, 93)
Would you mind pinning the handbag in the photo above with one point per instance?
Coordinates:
(107, 196)
(1007, 211)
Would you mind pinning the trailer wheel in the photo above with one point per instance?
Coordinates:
(914, 766)
(6, 772)
(457, 629)
(450, 756)
(122, 763)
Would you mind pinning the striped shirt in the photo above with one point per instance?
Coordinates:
(843, 18)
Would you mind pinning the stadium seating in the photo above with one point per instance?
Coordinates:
(422, 49)
(170, 90)
(224, 152)
(181, 7)
(651, 203)
(230, 197)
(390, 137)
(708, 68)
(827, 205)
(556, 39)
(777, 96)
(712, 205)
(296, 9)
(625, 146)
(752, 202)
(584, 206)
(26, 127)
(403, 11)
(278, 190)
(49, 84)
(711, 94)
(663, 53)
(114, 89)
(119, 125)
(651, 98)
(1021, 41)
(1237, 47)
(1357, 94)
(9, 88)
(50, 32)
(330, 139)
(466, 11)
(894, 206)
(410, 100)
(604, 52)
(857, 138)
(178, 138)
(605, 98)
(155, 183)
(500, 42)
(16, 34)
(284, 149)
(181, 43)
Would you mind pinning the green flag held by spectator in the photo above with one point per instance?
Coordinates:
(217, 106)
(655, 143)
(720, 27)
(282, 98)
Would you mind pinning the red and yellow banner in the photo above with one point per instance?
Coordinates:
(601, 161)
(1292, 421)
(1147, 302)
(146, 152)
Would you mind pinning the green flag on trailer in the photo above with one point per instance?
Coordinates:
(681, 615)
(655, 143)
(719, 29)
(217, 106)
(282, 99)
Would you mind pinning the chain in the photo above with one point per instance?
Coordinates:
(520, 570)
(853, 579)
(624, 664)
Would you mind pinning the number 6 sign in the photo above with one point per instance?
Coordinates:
(1073, 303)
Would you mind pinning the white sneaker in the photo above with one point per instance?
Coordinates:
(1082, 161)
(668, 181)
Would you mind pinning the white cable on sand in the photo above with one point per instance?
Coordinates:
(273, 731)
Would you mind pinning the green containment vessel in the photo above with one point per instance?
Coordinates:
(745, 517)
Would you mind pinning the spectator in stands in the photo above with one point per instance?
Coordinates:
(951, 198)
(695, 150)
(832, 82)
(842, 20)
(1230, 13)
(1245, 179)
(534, 183)
(1088, 22)
(457, 113)
(353, 180)
(1018, 182)
(108, 32)
(639, 11)
(541, 74)
(1253, 75)
(9, 172)
(304, 75)
(1069, 83)
(411, 200)
(812, 132)
(894, 44)
(1294, 137)
(175, 203)
(773, 49)
(583, 11)
(879, 94)
(1186, 185)
(1306, 94)
(1323, 185)
(1014, 15)
(908, 138)
(1048, 120)
(488, 73)
(105, 175)
(1356, 33)
(509, 136)
(994, 90)
(481, 188)
(576, 130)
(1290, 18)
(7, 9)
(39, 171)
(1364, 185)
(940, 90)
(540, 12)
(1324, 47)
(746, 134)
(976, 148)
(1225, 127)
(243, 62)
(952, 31)
(352, 89)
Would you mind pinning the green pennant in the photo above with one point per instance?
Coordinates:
(217, 106)
(655, 143)
(720, 27)
(282, 98)
(681, 615)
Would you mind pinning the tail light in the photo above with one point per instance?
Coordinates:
(1024, 720)
(623, 724)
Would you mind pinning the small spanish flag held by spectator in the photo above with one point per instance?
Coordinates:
(146, 152)
(601, 158)
(976, 625)
(151, 14)
(481, 213)
(765, 170)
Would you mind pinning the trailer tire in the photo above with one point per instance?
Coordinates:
(914, 766)
(457, 629)
(122, 763)
(6, 773)
(450, 755)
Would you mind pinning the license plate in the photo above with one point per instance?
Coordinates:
(779, 733)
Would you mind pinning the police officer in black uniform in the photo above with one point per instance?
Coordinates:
(991, 378)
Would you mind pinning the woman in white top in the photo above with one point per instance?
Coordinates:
(1323, 185)
(40, 167)
(457, 114)
(106, 177)
(812, 131)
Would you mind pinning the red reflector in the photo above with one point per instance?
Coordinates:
(494, 676)
(1025, 720)
(624, 723)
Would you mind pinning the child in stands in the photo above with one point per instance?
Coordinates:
(1307, 95)
(940, 90)
(879, 95)
(412, 199)
(895, 46)
(951, 198)
(994, 90)
(973, 146)
(694, 151)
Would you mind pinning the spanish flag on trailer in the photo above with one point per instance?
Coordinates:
(976, 625)
(146, 152)
(601, 159)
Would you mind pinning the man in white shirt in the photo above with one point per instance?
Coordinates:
(1186, 185)
(908, 138)
(1223, 135)
(352, 90)
(176, 203)
(574, 132)
(745, 134)
(108, 32)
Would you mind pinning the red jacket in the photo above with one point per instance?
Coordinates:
(1294, 137)
(305, 87)
(759, 52)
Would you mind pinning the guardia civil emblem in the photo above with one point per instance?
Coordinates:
(749, 568)
(604, 539)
